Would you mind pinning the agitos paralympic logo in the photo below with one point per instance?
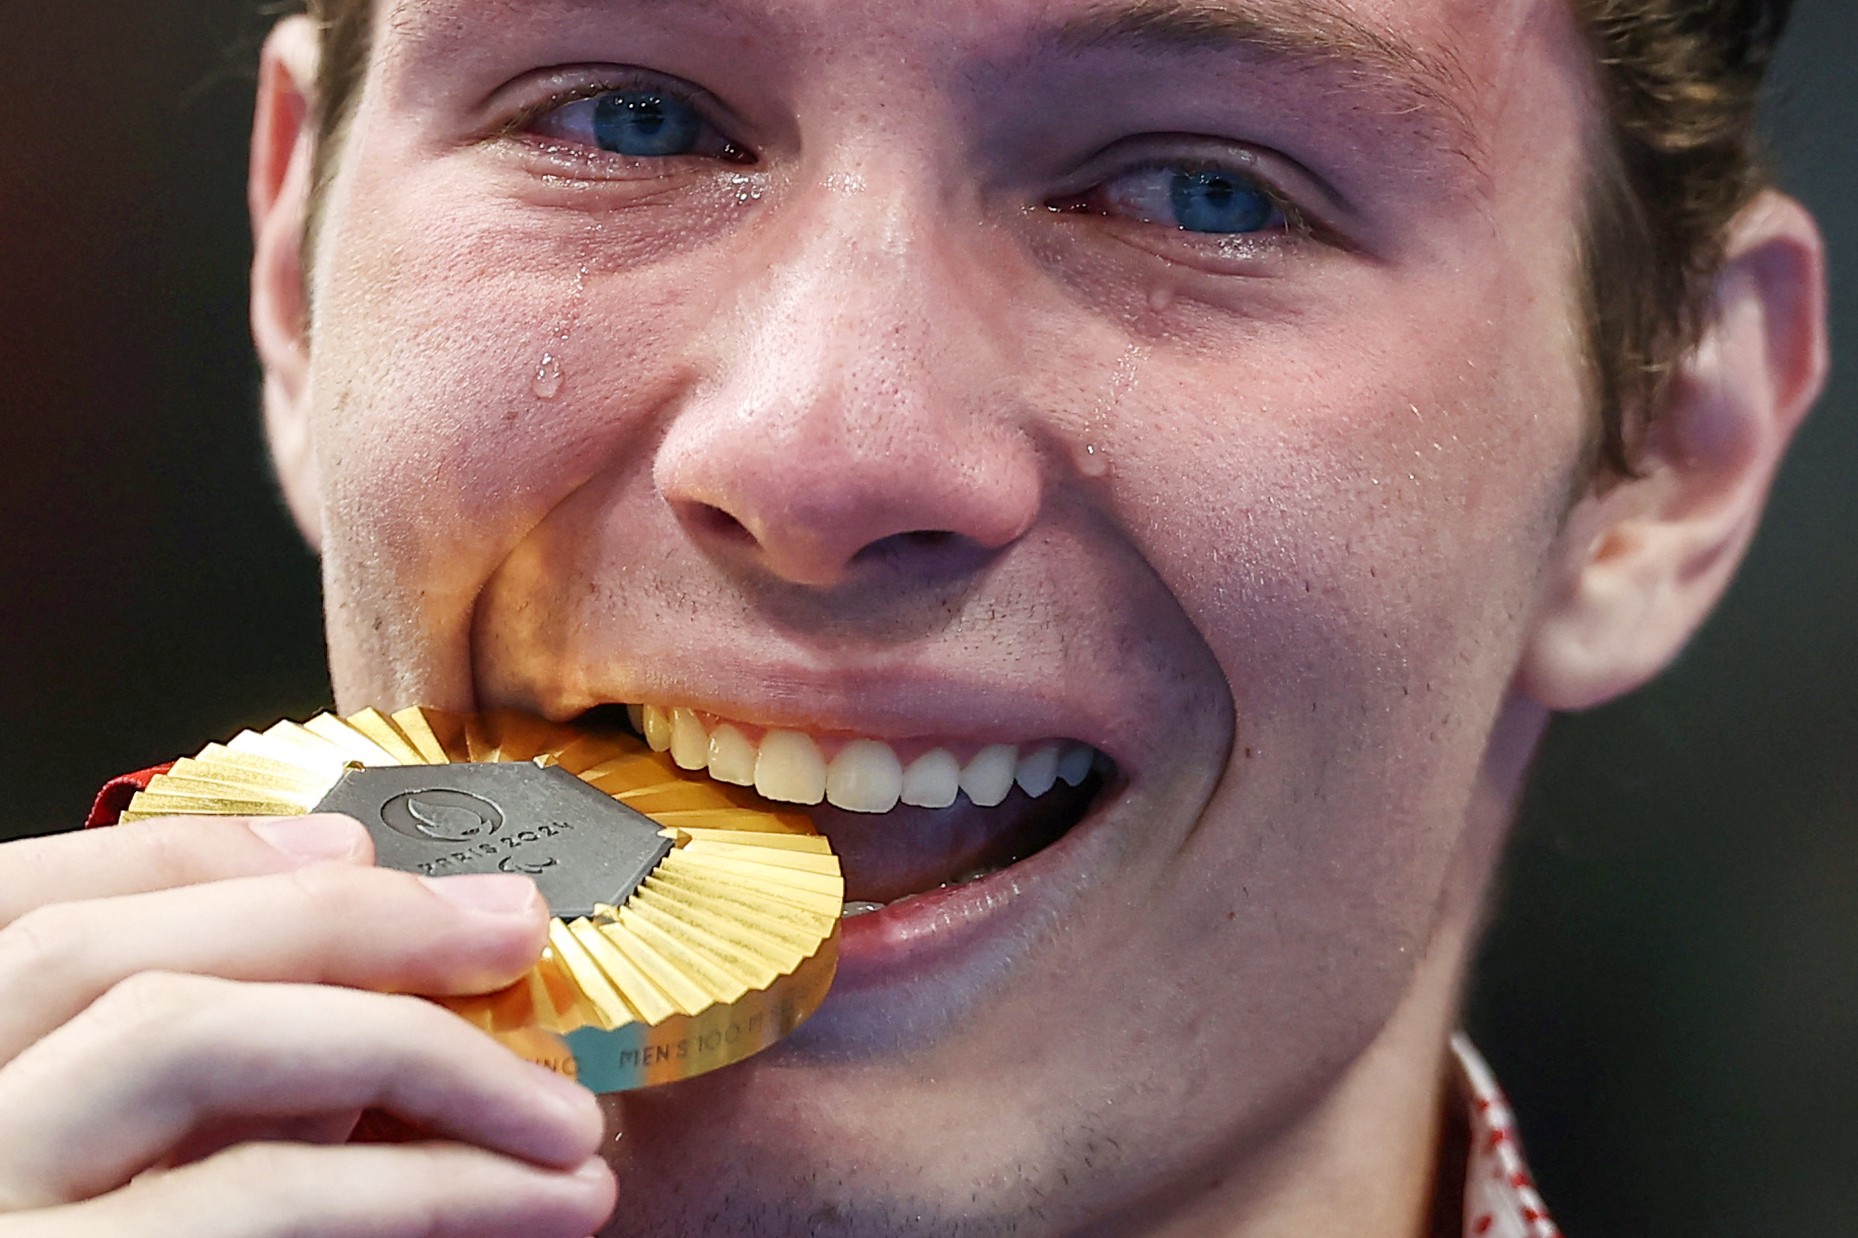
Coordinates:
(441, 815)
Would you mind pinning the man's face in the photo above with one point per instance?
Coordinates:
(1196, 382)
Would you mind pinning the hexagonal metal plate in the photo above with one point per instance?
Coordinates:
(581, 845)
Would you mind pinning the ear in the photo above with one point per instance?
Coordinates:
(1641, 564)
(283, 152)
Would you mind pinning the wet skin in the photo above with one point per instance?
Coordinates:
(1265, 514)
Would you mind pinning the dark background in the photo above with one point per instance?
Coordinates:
(1670, 992)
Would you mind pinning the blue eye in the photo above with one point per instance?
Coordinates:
(1220, 202)
(645, 123)
(1211, 201)
(637, 122)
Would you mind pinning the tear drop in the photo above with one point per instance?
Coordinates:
(547, 383)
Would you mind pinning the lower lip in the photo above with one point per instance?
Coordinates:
(939, 927)
(895, 934)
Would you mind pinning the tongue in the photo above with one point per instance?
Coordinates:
(909, 850)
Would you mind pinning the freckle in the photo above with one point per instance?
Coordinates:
(1231, 916)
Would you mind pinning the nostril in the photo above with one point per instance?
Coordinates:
(905, 545)
(718, 523)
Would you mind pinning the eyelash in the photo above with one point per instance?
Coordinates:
(519, 127)
(1292, 222)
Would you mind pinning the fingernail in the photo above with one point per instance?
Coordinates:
(573, 1114)
(308, 839)
(497, 894)
(595, 1173)
(593, 1169)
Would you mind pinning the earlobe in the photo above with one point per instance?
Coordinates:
(278, 191)
(1642, 563)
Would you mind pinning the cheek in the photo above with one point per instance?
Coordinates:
(1347, 495)
(470, 375)
(1353, 514)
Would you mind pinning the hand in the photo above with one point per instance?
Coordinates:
(194, 1012)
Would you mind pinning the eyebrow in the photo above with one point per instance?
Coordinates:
(1424, 90)
(1414, 83)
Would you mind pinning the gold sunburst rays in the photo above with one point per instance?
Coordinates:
(727, 944)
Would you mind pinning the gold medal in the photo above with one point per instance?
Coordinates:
(694, 924)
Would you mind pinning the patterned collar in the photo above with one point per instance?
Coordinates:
(1500, 1199)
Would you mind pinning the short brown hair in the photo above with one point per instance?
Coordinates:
(1681, 81)
(1680, 157)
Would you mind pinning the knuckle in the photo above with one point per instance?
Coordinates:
(423, 1021)
(342, 885)
(270, 1164)
(336, 890)
(396, 1024)
(22, 863)
(180, 851)
(43, 941)
(149, 1000)
(274, 1176)
(291, 1186)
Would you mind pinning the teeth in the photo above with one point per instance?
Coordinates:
(989, 776)
(865, 777)
(690, 747)
(657, 728)
(933, 780)
(1037, 772)
(790, 768)
(1074, 765)
(732, 757)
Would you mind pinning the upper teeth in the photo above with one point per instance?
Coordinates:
(864, 775)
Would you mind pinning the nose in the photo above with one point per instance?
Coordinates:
(853, 406)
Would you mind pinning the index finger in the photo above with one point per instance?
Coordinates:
(175, 851)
